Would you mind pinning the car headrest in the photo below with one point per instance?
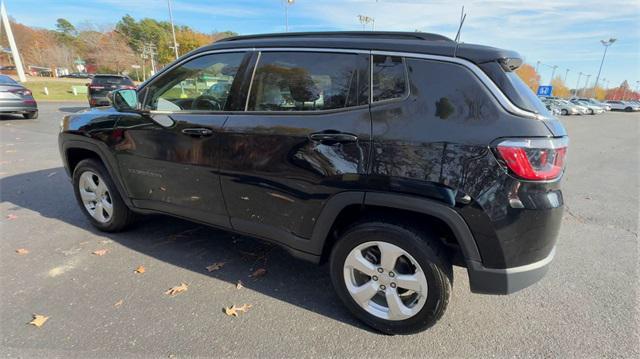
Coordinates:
(301, 86)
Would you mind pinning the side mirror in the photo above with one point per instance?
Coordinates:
(124, 100)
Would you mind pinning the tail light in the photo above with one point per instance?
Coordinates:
(22, 92)
(536, 159)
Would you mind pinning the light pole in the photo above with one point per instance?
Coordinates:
(286, 14)
(566, 74)
(364, 20)
(575, 94)
(586, 83)
(173, 30)
(553, 72)
(606, 44)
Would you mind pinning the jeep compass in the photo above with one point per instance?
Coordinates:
(390, 156)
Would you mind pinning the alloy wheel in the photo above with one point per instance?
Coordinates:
(95, 196)
(385, 280)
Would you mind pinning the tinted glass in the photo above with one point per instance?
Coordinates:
(201, 84)
(306, 81)
(6, 80)
(111, 80)
(389, 78)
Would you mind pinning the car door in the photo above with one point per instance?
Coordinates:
(170, 158)
(304, 137)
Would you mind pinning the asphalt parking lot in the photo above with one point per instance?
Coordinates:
(587, 306)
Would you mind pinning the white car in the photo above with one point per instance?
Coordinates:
(595, 102)
(593, 109)
(622, 106)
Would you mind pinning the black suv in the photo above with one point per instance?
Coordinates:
(101, 85)
(392, 156)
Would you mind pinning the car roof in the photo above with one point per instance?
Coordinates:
(108, 75)
(415, 42)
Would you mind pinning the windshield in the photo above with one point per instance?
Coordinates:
(111, 80)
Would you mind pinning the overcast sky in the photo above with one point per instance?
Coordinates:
(555, 32)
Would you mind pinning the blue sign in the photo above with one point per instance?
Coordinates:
(545, 90)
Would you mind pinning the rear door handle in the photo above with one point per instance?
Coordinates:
(333, 136)
(197, 132)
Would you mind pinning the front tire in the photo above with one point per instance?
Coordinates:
(628, 109)
(394, 278)
(564, 112)
(99, 198)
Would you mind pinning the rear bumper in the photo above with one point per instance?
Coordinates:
(20, 108)
(508, 280)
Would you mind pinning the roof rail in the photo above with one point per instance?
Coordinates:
(336, 34)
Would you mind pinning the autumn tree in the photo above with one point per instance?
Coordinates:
(529, 75)
(559, 88)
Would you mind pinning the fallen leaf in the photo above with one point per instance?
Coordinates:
(140, 270)
(11, 216)
(232, 311)
(239, 285)
(177, 289)
(38, 320)
(22, 251)
(260, 272)
(215, 266)
(100, 252)
(118, 303)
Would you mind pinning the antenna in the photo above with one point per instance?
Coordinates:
(463, 16)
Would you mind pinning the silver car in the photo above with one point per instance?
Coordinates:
(592, 109)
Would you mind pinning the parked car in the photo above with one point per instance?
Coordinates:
(580, 109)
(78, 75)
(595, 102)
(622, 106)
(565, 108)
(15, 98)
(101, 85)
(592, 109)
(380, 153)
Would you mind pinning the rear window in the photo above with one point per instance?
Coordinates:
(111, 80)
(514, 88)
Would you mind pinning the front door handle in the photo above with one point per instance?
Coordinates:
(332, 136)
(197, 132)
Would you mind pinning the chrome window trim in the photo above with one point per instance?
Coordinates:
(487, 82)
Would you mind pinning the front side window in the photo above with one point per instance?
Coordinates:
(389, 78)
(201, 84)
(307, 81)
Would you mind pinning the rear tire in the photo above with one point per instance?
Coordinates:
(99, 198)
(628, 109)
(30, 115)
(420, 263)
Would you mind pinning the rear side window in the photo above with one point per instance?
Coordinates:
(307, 81)
(514, 88)
(111, 80)
(389, 78)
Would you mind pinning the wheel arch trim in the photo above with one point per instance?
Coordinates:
(396, 201)
(107, 161)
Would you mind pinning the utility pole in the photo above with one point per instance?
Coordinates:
(173, 29)
(286, 14)
(606, 44)
(12, 43)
